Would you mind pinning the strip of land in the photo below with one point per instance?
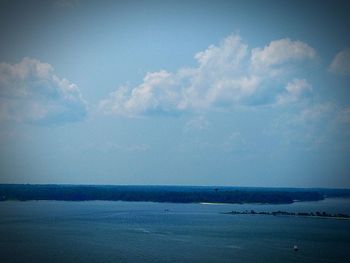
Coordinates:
(298, 214)
(169, 194)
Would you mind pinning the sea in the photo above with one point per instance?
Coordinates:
(115, 231)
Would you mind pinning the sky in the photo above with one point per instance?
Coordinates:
(240, 93)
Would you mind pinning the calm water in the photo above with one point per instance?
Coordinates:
(103, 231)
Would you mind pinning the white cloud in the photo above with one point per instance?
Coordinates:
(156, 93)
(225, 76)
(341, 63)
(294, 91)
(280, 52)
(197, 123)
(31, 92)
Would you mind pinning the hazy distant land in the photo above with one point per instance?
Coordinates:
(171, 194)
(297, 214)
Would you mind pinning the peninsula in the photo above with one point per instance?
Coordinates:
(295, 214)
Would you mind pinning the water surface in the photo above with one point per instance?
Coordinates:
(106, 231)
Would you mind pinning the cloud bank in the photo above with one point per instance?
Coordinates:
(31, 92)
(341, 63)
(279, 52)
(226, 75)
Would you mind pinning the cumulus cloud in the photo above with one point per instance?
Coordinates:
(341, 63)
(279, 52)
(31, 92)
(157, 92)
(225, 75)
(293, 91)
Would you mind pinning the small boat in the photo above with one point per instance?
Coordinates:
(295, 248)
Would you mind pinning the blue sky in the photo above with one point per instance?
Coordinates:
(244, 93)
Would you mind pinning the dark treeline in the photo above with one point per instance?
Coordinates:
(171, 194)
(284, 213)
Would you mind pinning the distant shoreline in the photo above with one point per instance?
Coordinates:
(320, 215)
(166, 194)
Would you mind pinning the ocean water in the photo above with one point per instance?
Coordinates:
(105, 231)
